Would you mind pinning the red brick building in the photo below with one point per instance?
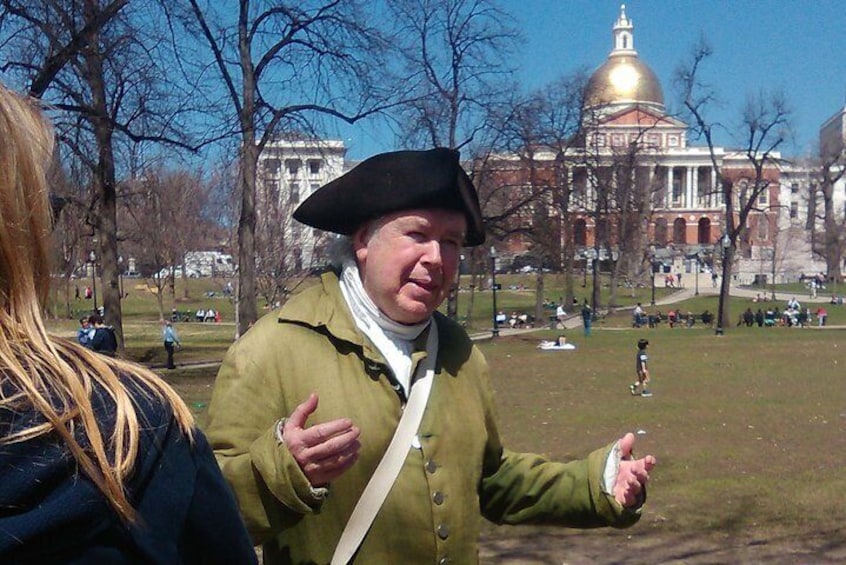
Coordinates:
(630, 185)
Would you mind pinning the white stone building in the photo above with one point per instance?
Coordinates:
(289, 170)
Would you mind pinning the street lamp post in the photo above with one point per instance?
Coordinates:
(120, 276)
(696, 279)
(92, 257)
(652, 273)
(495, 331)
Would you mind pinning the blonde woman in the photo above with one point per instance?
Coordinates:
(99, 459)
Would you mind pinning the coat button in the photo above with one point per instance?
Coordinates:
(431, 466)
(444, 561)
(438, 498)
(443, 531)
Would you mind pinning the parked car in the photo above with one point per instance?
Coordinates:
(177, 273)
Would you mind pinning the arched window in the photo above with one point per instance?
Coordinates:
(580, 233)
(661, 231)
(680, 231)
(703, 236)
(763, 228)
(602, 231)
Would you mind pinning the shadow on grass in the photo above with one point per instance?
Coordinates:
(530, 546)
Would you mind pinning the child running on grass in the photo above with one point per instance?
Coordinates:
(642, 370)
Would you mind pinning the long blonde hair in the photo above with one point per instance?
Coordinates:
(51, 375)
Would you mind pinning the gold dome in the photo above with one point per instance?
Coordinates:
(624, 79)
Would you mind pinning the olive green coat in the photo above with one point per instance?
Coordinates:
(460, 473)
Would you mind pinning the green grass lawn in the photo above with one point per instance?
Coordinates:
(748, 428)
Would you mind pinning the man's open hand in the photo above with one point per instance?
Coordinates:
(323, 451)
(633, 474)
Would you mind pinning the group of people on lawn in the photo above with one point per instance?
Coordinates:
(794, 315)
(673, 317)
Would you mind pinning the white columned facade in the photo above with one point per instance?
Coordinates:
(668, 200)
(712, 197)
(689, 197)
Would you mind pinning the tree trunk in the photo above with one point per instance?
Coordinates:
(540, 314)
(104, 181)
(597, 284)
(247, 312)
(612, 284)
(452, 300)
(833, 250)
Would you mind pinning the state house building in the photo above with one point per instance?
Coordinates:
(680, 218)
(678, 215)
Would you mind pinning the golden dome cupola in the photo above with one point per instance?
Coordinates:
(624, 79)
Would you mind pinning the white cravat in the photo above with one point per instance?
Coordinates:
(395, 341)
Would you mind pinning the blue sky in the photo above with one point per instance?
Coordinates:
(792, 45)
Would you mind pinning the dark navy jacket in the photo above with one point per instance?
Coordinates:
(51, 513)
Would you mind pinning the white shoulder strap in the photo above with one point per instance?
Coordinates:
(386, 472)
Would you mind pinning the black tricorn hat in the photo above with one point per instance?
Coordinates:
(391, 182)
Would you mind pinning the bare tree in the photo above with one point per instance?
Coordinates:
(765, 125)
(162, 208)
(283, 65)
(542, 131)
(630, 207)
(830, 244)
(455, 57)
(101, 67)
(454, 70)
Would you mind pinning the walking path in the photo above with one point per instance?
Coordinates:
(575, 321)
(679, 295)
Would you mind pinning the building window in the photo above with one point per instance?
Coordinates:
(295, 193)
(293, 166)
(660, 236)
(296, 230)
(616, 140)
(680, 231)
(579, 189)
(704, 232)
(580, 233)
(794, 187)
(794, 210)
(673, 140)
(271, 166)
(600, 140)
(763, 196)
(703, 186)
(314, 168)
(678, 191)
(273, 192)
(763, 228)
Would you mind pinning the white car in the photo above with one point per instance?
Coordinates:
(177, 273)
